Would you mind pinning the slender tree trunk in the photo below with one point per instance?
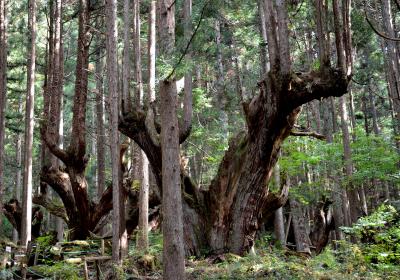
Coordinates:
(152, 51)
(279, 226)
(112, 76)
(3, 92)
(143, 242)
(142, 163)
(29, 125)
(338, 200)
(322, 32)
(393, 62)
(263, 31)
(18, 177)
(100, 135)
(364, 110)
(354, 200)
(126, 71)
(352, 115)
(375, 126)
(220, 84)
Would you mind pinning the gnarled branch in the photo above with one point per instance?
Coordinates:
(304, 132)
(54, 208)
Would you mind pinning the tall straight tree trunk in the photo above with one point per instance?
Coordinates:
(143, 241)
(393, 61)
(263, 31)
(220, 83)
(3, 92)
(173, 251)
(126, 70)
(18, 176)
(344, 62)
(55, 126)
(142, 173)
(375, 126)
(112, 77)
(29, 125)
(100, 135)
(354, 200)
(338, 200)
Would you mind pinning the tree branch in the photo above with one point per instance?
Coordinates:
(53, 147)
(54, 208)
(308, 134)
(190, 41)
(60, 183)
(305, 87)
(379, 33)
(150, 127)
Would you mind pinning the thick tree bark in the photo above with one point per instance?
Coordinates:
(70, 184)
(13, 212)
(173, 253)
(299, 228)
(3, 92)
(227, 215)
(322, 226)
(173, 247)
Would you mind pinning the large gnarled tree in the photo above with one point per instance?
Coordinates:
(226, 216)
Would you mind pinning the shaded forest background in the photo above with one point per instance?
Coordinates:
(340, 160)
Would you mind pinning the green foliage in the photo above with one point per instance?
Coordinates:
(59, 270)
(380, 235)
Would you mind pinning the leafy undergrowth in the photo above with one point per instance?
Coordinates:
(375, 255)
(348, 262)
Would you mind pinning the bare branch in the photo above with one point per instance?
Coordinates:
(190, 41)
(379, 33)
(313, 134)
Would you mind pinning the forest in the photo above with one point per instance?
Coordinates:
(208, 139)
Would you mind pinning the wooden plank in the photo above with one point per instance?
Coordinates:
(99, 258)
(85, 270)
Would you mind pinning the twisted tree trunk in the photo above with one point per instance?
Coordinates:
(226, 217)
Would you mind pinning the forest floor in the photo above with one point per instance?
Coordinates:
(376, 255)
(348, 261)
